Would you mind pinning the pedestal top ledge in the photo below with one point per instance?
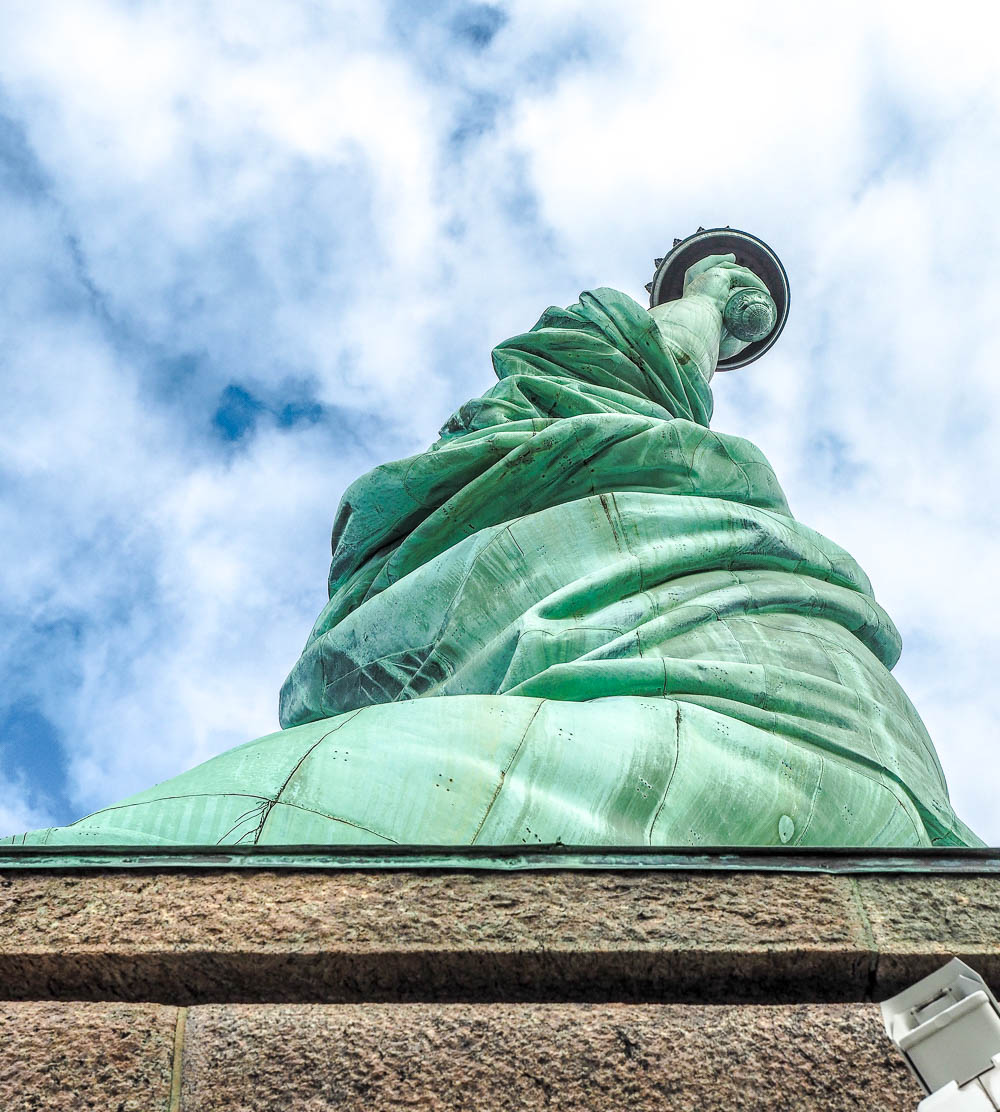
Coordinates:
(494, 924)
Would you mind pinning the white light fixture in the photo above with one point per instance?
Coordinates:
(948, 1028)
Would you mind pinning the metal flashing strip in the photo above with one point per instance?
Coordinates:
(68, 858)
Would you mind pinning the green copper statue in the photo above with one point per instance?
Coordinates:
(581, 617)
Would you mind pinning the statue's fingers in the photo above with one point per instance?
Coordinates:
(740, 277)
(706, 264)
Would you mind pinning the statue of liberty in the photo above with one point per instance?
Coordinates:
(582, 616)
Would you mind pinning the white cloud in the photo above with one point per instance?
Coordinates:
(15, 813)
(281, 197)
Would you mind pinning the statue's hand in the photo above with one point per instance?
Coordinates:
(717, 278)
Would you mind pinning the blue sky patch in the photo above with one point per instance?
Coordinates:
(477, 24)
(240, 410)
(238, 413)
(474, 118)
(32, 751)
(20, 172)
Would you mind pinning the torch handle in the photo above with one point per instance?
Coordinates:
(750, 314)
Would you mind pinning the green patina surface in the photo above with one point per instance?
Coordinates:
(581, 617)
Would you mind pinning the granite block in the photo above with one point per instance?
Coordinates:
(544, 1056)
(75, 1055)
(918, 922)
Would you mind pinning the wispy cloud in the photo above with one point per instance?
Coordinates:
(251, 250)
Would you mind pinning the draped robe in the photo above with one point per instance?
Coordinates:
(580, 616)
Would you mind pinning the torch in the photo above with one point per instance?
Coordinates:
(750, 314)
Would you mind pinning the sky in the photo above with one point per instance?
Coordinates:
(250, 250)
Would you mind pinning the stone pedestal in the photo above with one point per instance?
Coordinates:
(185, 987)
